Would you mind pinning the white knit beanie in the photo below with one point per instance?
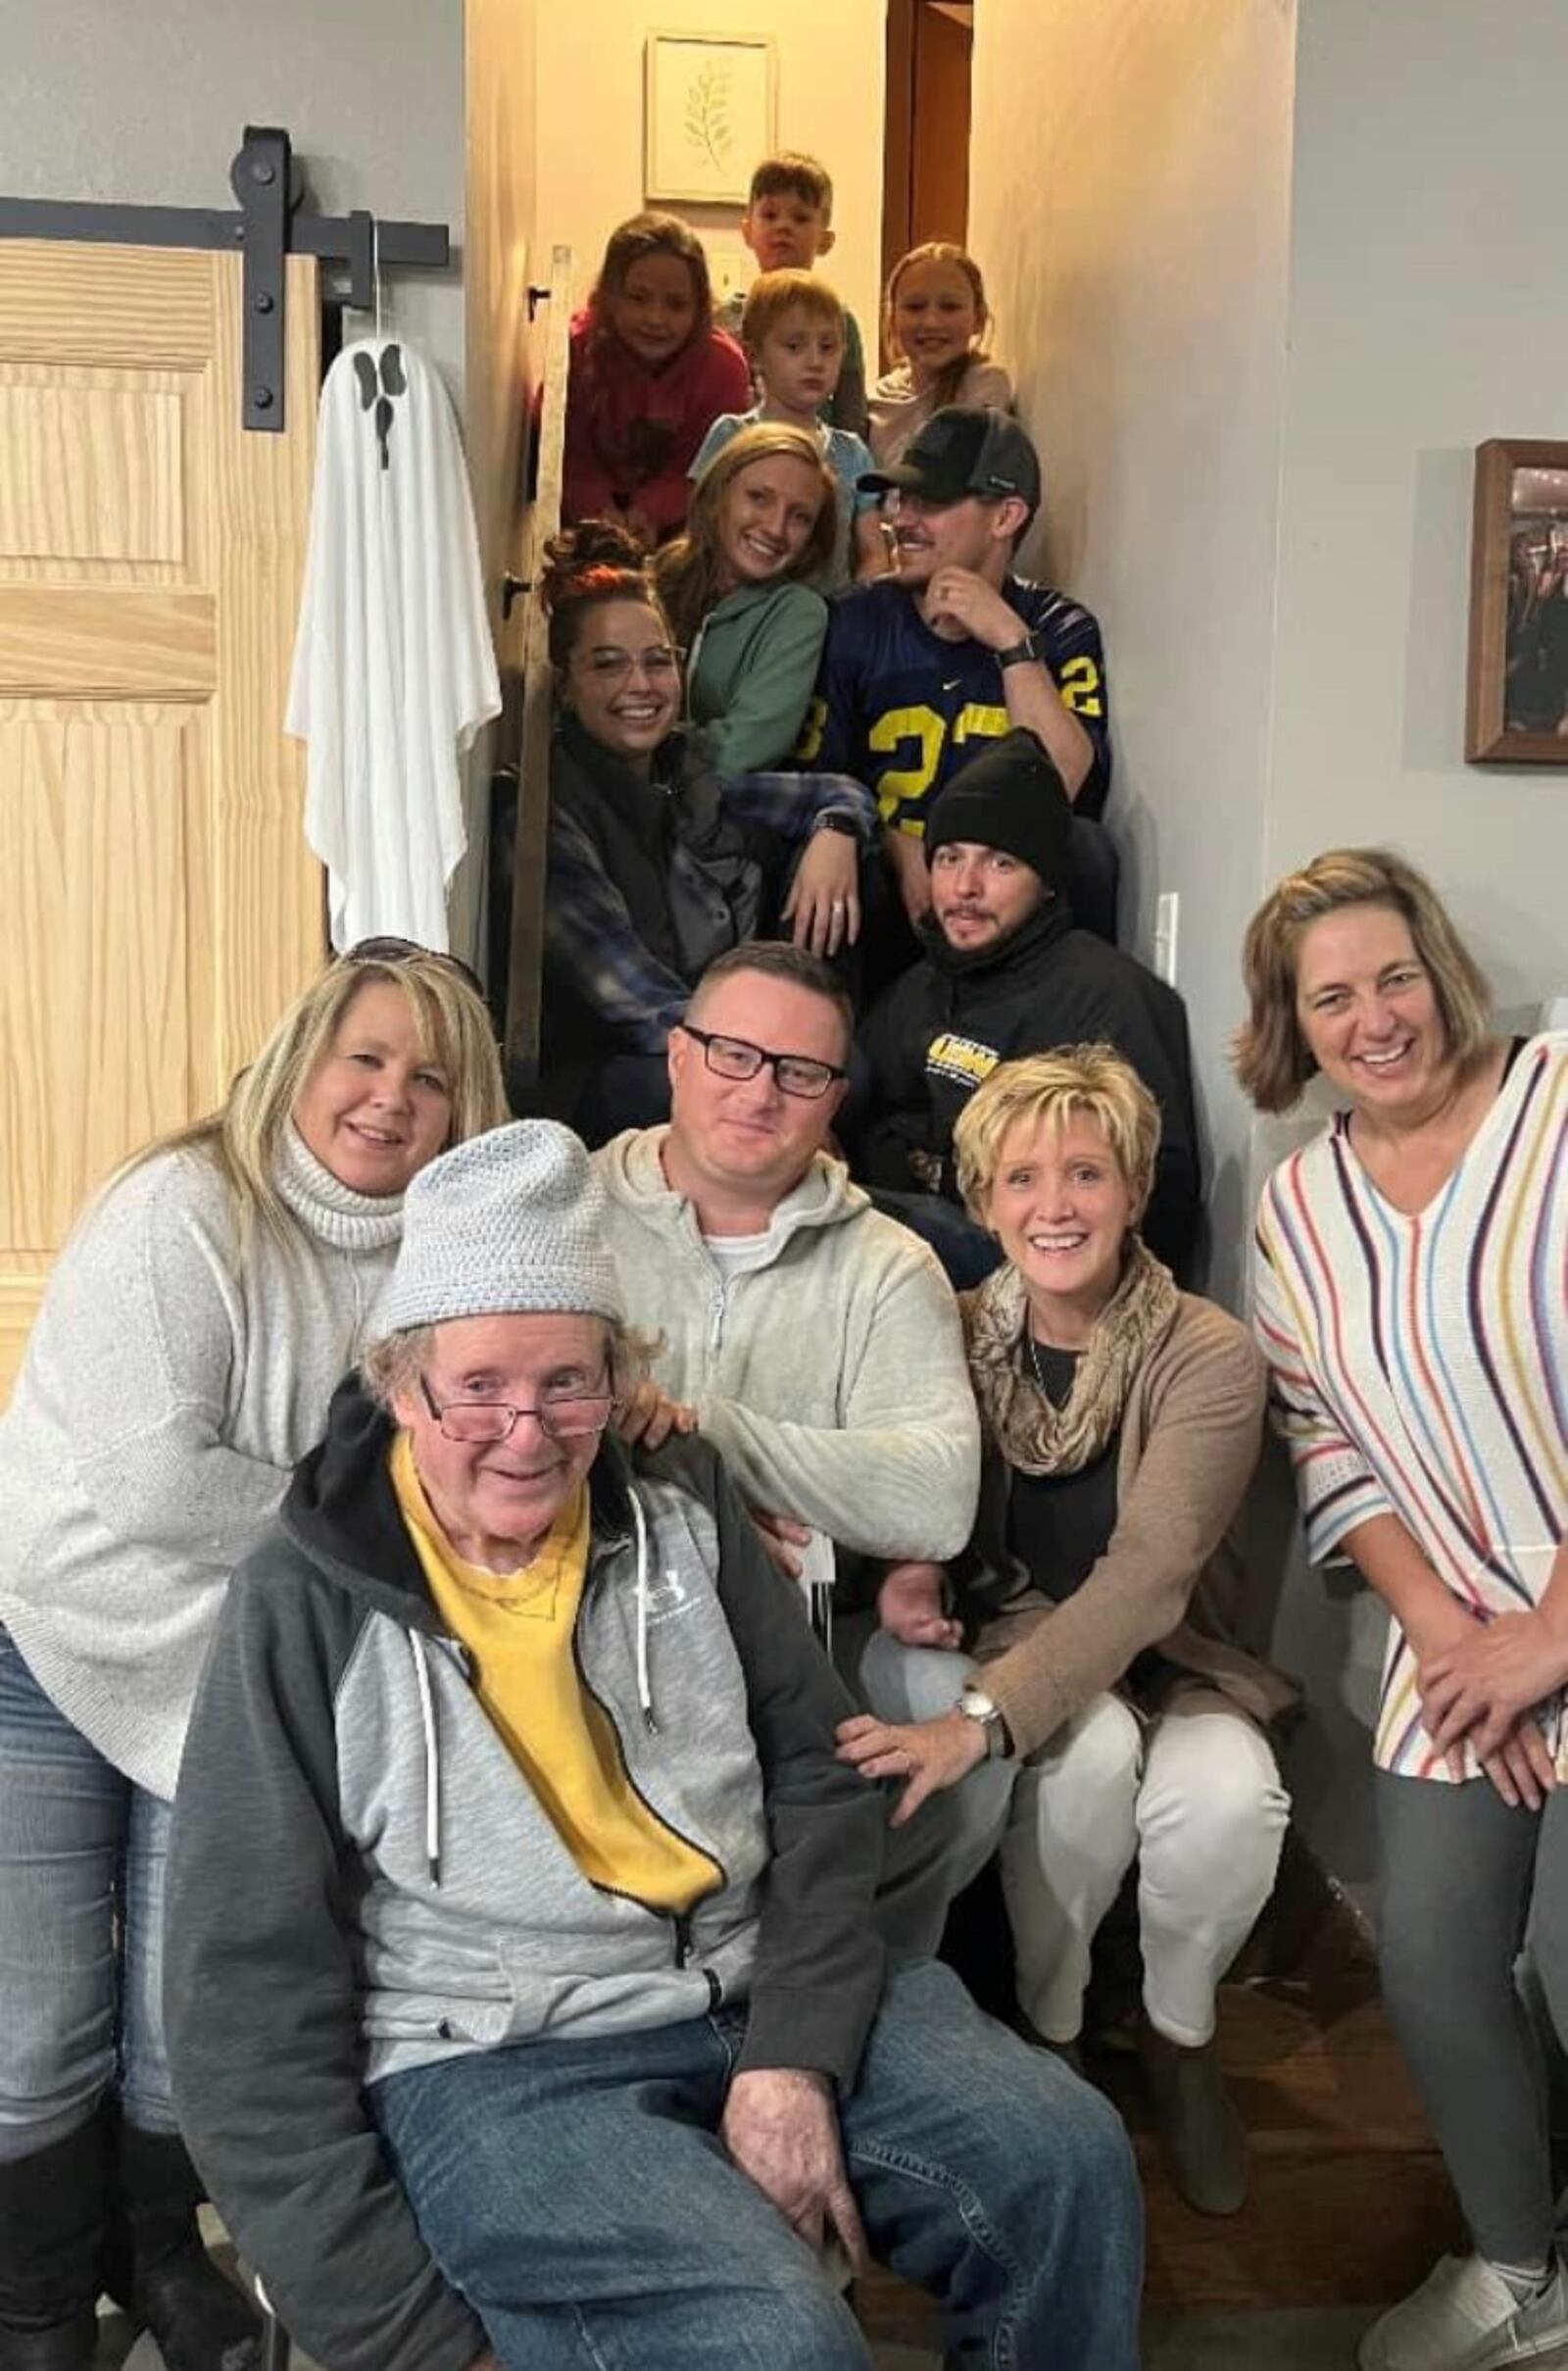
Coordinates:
(508, 1222)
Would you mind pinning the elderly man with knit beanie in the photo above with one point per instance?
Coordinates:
(1003, 974)
(526, 2003)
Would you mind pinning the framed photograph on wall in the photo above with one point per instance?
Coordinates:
(1516, 708)
(709, 115)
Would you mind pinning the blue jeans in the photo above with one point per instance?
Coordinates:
(82, 1921)
(577, 2194)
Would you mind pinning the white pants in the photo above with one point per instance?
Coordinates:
(1194, 1798)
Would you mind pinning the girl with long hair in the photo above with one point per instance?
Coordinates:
(738, 588)
(649, 374)
(934, 318)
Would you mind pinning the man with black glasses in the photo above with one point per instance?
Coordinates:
(814, 1342)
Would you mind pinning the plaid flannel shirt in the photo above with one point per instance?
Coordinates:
(589, 932)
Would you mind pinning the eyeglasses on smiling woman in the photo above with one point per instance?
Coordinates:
(736, 1057)
(609, 665)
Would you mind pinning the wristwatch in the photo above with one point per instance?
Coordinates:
(975, 1705)
(1018, 654)
(838, 818)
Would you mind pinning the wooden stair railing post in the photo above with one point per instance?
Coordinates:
(526, 959)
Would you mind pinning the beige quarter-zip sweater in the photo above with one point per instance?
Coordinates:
(830, 1376)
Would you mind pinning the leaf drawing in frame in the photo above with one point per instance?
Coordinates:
(707, 114)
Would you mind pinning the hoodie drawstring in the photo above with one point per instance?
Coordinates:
(645, 1693)
(432, 1757)
(427, 1719)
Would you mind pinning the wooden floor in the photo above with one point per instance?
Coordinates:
(1349, 2203)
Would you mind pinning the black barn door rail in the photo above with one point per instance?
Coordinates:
(267, 229)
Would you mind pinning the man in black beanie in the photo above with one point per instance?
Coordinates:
(1004, 973)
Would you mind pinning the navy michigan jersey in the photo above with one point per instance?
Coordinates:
(901, 710)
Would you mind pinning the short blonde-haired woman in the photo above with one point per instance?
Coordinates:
(1413, 1299)
(192, 1333)
(1121, 1421)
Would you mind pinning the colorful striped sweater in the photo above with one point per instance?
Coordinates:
(1420, 1364)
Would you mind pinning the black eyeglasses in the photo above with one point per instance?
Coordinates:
(405, 951)
(795, 1073)
(568, 1415)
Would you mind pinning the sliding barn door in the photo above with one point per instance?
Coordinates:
(160, 905)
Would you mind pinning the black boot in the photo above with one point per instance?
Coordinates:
(201, 2320)
(1201, 2136)
(51, 2226)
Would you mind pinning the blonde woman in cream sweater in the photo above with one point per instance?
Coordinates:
(193, 1332)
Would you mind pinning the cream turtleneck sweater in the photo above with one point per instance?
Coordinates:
(168, 1390)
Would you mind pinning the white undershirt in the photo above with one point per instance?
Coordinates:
(739, 1254)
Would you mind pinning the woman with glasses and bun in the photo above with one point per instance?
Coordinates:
(193, 1331)
(655, 863)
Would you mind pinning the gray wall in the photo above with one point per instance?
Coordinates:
(1268, 270)
(1130, 208)
(1427, 254)
(125, 104)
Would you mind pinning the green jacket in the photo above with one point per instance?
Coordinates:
(752, 672)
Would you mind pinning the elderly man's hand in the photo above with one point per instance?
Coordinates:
(782, 2130)
(909, 1607)
(649, 1416)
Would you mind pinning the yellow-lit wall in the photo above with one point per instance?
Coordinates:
(830, 61)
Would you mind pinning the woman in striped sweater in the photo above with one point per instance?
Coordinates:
(1413, 1299)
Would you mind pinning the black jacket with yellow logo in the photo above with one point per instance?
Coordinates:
(947, 1024)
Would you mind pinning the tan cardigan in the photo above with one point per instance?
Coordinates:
(1190, 1438)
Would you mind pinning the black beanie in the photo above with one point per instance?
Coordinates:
(1009, 797)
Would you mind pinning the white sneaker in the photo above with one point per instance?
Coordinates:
(1464, 2317)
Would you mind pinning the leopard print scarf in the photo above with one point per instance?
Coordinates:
(1033, 1436)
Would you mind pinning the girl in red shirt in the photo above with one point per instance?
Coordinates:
(648, 376)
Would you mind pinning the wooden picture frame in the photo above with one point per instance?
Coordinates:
(710, 116)
(1516, 706)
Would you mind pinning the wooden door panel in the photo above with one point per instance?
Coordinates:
(149, 308)
(81, 641)
(162, 904)
(91, 470)
(102, 829)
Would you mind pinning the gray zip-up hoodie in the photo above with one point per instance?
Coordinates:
(361, 1880)
(831, 1378)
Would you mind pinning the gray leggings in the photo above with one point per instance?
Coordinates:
(1460, 1874)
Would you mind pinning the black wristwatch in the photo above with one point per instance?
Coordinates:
(838, 818)
(1017, 654)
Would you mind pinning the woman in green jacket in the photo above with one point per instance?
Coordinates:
(738, 589)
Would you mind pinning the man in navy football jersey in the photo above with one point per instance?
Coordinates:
(924, 667)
